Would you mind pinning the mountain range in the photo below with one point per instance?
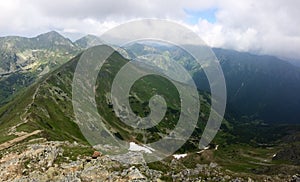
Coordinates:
(258, 86)
(24, 60)
(258, 136)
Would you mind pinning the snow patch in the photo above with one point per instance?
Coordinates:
(135, 147)
(178, 156)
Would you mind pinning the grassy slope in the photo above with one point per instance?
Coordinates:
(51, 111)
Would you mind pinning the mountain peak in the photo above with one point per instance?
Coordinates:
(90, 36)
(88, 41)
(53, 38)
(50, 35)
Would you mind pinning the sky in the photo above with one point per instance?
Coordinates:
(264, 27)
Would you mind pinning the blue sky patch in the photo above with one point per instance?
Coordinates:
(194, 15)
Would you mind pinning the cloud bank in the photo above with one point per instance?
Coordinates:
(263, 27)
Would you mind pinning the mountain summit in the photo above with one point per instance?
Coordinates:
(23, 60)
(54, 40)
(88, 41)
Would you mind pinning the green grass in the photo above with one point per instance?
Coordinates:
(160, 166)
(141, 92)
(48, 112)
(243, 157)
(73, 152)
(11, 112)
(52, 112)
(193, 159)
(6, 138)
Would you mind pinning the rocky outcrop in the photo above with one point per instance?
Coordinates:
(41, 160)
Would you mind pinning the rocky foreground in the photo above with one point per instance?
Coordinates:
(41, 160)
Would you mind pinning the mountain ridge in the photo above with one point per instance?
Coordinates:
(24, 60)
(44, 112)
(258, 86)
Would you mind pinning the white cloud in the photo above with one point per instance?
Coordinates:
(266, 27)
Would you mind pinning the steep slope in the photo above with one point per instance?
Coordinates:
(258, 87)
(263, 87)
(45, 111)
(47, 106)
